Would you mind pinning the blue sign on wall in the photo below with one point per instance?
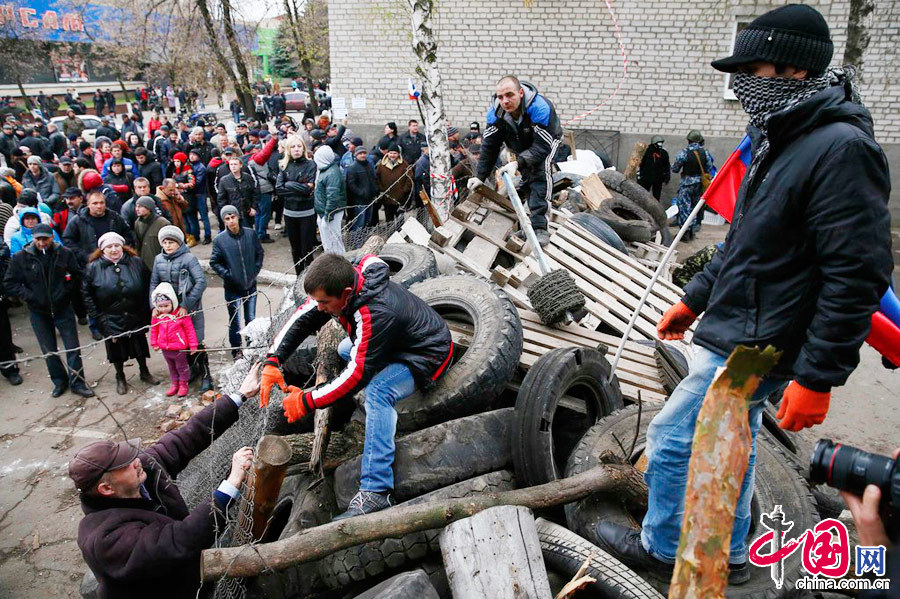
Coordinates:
(52, 21)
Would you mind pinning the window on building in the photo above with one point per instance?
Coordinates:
(727, 93)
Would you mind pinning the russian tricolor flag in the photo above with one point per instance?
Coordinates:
(721, 195)
(414, 92)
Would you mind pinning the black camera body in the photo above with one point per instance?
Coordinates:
(850, 469)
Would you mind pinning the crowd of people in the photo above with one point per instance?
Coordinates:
(94, 231)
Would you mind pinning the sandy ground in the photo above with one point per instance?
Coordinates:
(39, 511)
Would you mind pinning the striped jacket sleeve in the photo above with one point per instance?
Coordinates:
(367, 357)
(305, 321)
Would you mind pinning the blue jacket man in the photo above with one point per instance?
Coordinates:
(527, 123)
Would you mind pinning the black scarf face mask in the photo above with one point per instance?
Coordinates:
(763, 96)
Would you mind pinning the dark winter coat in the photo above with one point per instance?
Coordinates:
(58, 143)
(411, 146)
(40, 278)
(45, 184)
(110, 132)
(182, 270)
(534, 140)
(386, 323)
(243, 194)
(146, 233)
(292, 185)
(139, 548)
(808, 255)
(116, 294)
(81, 235)
(361, 187)
(655, 166)
(152, 171)
(237, 259)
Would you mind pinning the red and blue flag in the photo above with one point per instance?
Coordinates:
(721, 195)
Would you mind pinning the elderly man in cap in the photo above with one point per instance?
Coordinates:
(45, 275)
(137, 535)
(803, 267)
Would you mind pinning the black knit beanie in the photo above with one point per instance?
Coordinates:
(795, 35)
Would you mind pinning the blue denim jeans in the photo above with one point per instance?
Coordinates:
(385, 389)
(359, 215)
(191, 224)
(235, 301)
(669, 439)
(45, 327)
(263, 214)
(203, 213)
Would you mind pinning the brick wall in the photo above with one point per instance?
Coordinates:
(569, 50)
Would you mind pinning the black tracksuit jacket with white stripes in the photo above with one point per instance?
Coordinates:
(386, 323)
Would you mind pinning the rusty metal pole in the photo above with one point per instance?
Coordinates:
(263, 485)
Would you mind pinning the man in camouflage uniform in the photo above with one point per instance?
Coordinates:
(682, 275)
(687, 162)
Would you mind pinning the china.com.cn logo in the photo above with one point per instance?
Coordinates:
(825, 551)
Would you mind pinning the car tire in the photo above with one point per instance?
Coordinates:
(628, 220)
(776, 483)
(438, 456)
(617, 182)
(409, 263)
(599, 229)
(563, 394)
(474, 379)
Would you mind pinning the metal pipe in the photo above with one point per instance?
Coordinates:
(525, 223)
(653, 279)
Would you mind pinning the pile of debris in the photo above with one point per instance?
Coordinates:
(524, 404)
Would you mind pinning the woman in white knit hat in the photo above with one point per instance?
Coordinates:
(177, 266)
(116, 284)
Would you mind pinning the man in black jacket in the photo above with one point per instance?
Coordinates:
(108, 129)
(527, 123)
(803, 267)
(361, 186)
(395, 343)
(149, 168)
(137, 535)
(92, 221)
(10, 370)
(44, 275)
(411, 142)
(240, 189)
(237, 257)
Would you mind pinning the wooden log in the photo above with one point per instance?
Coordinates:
(719, 457)
(634, 160)
(497, 554)
(314, 543)
(342, 446)
(594, 191)
(270, 462)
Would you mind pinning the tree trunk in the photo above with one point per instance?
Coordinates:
(290, 9)
(858, 36)
(22, 91)
(315, 543)
(245, 91)
(471, 548)
(342, 446)
(719, 457)
(425, 48)
(241, 89)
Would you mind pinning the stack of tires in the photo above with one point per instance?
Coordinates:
(465, 436)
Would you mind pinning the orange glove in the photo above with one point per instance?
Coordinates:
(801, 407)
(271, 375)
(675, 322)
(297, 404)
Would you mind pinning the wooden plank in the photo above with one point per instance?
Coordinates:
(417, 233)
(594, 191)
(397, 237)
(632, 289)
(500, 276)
(471, 546)
(492, 195)
(464, 210)
(482, 252)
(532, 321)
(466, 263)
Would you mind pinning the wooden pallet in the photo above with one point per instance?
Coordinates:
(637, 370)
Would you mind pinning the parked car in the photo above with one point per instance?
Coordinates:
(296, 101)
(90, 125)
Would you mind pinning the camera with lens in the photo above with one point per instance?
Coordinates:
(850, 469)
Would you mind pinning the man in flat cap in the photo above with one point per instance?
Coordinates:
(137, 535)
(804, 265)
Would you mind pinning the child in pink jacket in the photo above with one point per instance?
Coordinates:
(172, 334)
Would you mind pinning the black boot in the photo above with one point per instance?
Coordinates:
(121, 385)
(204, 372)
(146, 376)
(193, 364)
